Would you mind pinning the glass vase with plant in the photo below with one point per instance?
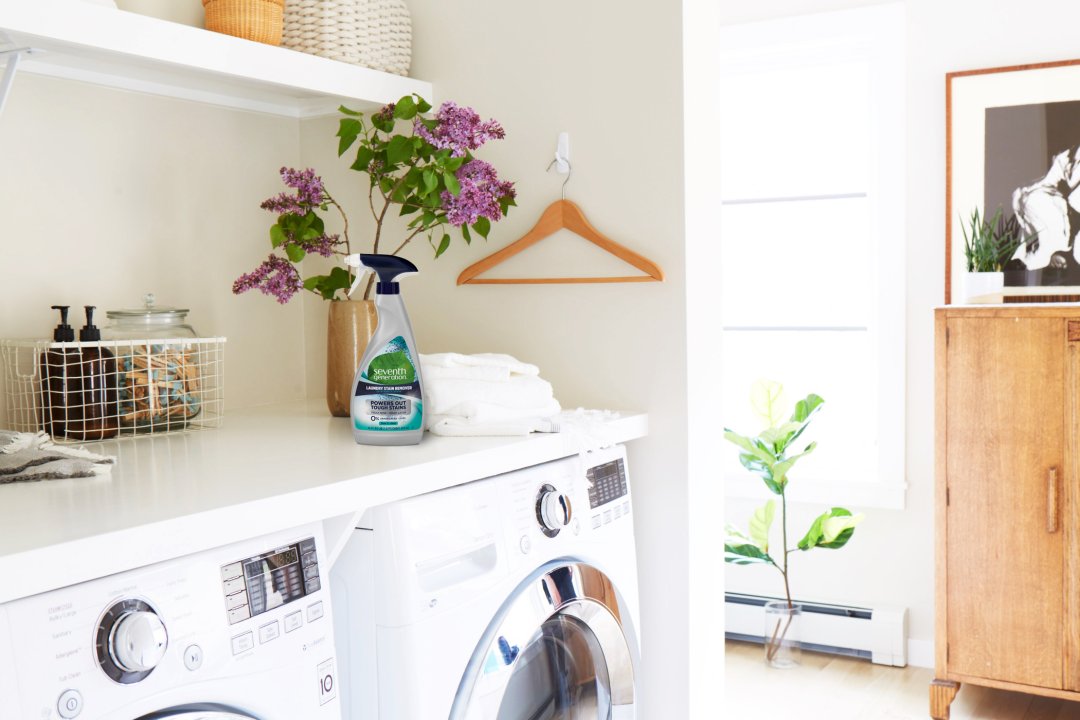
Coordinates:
(428, 171)
(771, 456)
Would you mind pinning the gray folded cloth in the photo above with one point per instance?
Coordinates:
(27, 457)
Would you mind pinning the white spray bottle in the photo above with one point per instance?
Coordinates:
(388, 397)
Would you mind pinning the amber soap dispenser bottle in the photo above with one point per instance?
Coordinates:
(93, 410)
(58, 365)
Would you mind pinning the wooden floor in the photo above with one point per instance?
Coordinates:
(833, 688)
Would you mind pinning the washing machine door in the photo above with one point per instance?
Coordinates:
(561, 649)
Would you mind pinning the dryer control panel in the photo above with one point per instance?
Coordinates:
(165, 636)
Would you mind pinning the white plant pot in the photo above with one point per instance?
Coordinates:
(984, 287)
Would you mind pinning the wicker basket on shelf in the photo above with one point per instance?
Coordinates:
(373, 33)
(258, 20)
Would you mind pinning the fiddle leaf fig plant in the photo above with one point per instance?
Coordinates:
(771, 454)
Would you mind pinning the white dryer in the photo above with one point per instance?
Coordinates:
(509, 598)
(242, 632)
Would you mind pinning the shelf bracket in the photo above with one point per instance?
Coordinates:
(13, 57)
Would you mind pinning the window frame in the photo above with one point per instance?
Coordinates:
(877, 35)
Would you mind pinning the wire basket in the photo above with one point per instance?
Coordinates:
(88, 391)
(376, 34)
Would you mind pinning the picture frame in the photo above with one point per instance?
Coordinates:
(1013, 142)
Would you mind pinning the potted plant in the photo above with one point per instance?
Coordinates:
(988, 245)
(427, 172)
(770, 455)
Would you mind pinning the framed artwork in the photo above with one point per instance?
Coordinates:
(1013, 144)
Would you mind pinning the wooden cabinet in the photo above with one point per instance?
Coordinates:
(1008, 501)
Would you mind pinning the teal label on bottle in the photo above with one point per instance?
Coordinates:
(388, 396)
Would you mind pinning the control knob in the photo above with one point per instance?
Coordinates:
(553, 510)
(131, 641)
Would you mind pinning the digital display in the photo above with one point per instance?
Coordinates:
(607, 482)
(273, 580)
(270, 580)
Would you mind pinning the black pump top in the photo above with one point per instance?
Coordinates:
(63, 331)
(89, 332)
(387, 267)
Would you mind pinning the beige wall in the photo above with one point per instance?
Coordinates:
(609, 73)
(106, 195)
(891, 559)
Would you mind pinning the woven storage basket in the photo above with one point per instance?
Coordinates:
(258, 20)
(373, 33)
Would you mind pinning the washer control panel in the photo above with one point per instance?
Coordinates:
(270, 579)
(161, 637)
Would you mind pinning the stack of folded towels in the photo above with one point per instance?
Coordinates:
(485, 394)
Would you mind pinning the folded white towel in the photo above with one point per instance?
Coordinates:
(520, 392)
(457, 361)
(487, 373)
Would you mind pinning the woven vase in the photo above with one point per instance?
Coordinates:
(373, 33)
(258, 20)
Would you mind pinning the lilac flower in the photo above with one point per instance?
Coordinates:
(458, 128)
(481, 191)
(324, 245)
(275, 277)
(309, 193)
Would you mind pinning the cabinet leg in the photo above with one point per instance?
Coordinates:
(942, 693)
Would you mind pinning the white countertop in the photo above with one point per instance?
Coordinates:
(265, 469)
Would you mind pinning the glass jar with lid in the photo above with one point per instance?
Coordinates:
(158, 367)
(149, 322)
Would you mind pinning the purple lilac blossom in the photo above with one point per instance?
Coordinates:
(309, 192)
(323, 245)
(275, 277)
(459, 128)
(481, 191)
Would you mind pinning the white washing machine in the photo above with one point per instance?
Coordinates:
(242, 632)
(509, 598)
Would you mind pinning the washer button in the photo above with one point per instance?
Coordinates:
(242, 643)
(268, 632)
(314, 611)
(327, 681)
(70, 704)
(193, 657)
(293, 621)
(525, 544)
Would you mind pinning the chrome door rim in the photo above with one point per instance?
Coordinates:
(561, 587)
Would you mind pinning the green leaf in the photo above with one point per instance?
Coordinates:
(348, 130)
(746, 554)
(453, 164)
(405, 108)
(422, 105)
(765, 396)
(277, 235)
(431, 181)
(295, 253)
(452, 184)
(466, 235)
(831, 530)
(409, 209)
(805, 408)
(346, 111)
(443, 245)
(399, 150)
(760, 523)
(749, 446)
(482, 226)
(312, 282)
(364, 156)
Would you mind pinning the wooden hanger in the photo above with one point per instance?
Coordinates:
(561, 214)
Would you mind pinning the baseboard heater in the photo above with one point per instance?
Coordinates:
(877, 634)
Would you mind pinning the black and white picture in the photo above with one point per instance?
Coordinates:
(1013, 144)
(1032, 171)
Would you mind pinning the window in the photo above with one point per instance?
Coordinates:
(812, 241)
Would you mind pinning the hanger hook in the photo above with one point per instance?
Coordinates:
(569, 170)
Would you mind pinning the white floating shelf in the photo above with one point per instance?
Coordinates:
(79, 40)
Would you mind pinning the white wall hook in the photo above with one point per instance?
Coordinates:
(562, 154)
